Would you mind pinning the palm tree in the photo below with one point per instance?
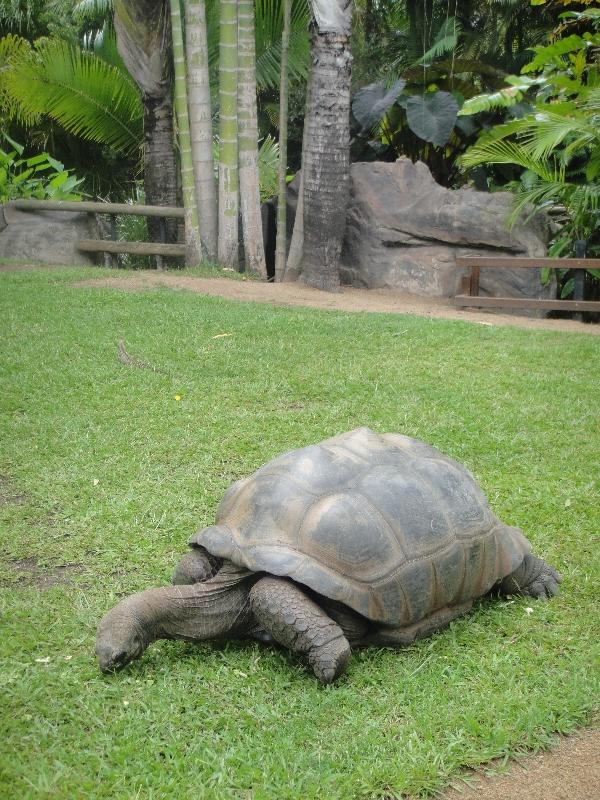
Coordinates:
(143, 39)
(326, 164)
(254, 251)
(228, 128)
(199, 104)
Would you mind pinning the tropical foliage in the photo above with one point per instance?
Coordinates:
(41, 177)
(555, 144)
(85, 94)
(443, 53)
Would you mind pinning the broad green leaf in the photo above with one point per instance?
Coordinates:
(432, 116)
(545, 55)
(373, 101)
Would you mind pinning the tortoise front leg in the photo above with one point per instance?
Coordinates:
(401, 636)
(296, 621)
(196, 566)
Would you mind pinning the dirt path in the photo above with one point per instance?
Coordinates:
(571, 771)
(296, 294)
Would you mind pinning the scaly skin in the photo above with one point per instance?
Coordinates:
(534, 577)
(196, 566)
(237, 603)
(297, 622)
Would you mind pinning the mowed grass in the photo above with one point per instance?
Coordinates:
(103, 467)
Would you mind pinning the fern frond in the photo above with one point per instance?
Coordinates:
(504, 98)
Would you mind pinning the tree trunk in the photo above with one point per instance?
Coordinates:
(199, 104)
(327, 159)
(281, 242)
(294, 258)
(254, 250)
(228, 157)
(143, 35)
(193, 253)
(160, 166)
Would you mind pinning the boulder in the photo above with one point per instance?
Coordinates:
(46, 237)
(404, 232)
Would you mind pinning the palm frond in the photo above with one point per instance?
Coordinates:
(446, 41)
(86, 9)
(503, 152)
(269, 27)
(546, 194)
(87, 96)
(268, 168)
(549, 131)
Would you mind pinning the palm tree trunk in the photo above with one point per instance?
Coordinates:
(281, 243)
(254, 250)
(199, 105)
(294, 258)
(193, 254)
(327, 159)
(143, 35)
(160, 166)
(228, 157)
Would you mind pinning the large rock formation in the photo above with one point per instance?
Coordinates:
(404, 232)
(47, 237)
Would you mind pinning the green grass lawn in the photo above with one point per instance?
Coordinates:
(102, 467)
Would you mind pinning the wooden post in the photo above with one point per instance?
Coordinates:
(163, 239)
(114, 258)
(579, 277)
(474, 288)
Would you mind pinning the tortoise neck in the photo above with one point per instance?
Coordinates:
(215, 608)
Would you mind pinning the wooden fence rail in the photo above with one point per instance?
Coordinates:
(470, 288)
(99, 208)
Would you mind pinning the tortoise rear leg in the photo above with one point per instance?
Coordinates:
(196, 566)
(297, 622)
(533, 577)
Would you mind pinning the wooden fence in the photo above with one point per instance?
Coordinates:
(470, 290)
(158, 249)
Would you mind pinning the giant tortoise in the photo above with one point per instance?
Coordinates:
(361, 539)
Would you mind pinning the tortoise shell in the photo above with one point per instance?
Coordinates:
(383, 523)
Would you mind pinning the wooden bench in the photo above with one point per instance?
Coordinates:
(158, 249)
(470, 287)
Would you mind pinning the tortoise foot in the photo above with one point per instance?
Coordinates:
(534, 577)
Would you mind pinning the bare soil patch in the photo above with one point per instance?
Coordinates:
(8, 494)
(571, 771)
(29, 573)
(349, 299)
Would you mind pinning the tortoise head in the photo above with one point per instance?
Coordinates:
(121, 637)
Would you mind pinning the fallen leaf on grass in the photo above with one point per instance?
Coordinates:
(221, 335)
